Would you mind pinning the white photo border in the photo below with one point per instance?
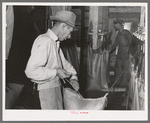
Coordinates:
(63, 115)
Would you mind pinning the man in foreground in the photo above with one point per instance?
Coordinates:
(47, 65)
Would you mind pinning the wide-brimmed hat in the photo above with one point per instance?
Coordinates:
(118, 21)
(67, 17)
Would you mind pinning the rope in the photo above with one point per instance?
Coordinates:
(64, 80)
(121, 73)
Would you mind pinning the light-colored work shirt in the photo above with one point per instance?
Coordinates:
(45, 59)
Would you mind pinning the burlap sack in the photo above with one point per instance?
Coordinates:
(97, 70)
(74, 101)
(12, 94)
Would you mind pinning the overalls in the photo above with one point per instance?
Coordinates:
(122, 60)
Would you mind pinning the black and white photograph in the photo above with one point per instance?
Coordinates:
(74, 61)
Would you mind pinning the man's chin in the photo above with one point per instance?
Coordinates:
(61, 40)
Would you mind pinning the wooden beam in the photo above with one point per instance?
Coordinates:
(60, 8)
(142, 17)
(127, 19)
(98, 21)
(124, 15)
(93, 20)
(105, 12)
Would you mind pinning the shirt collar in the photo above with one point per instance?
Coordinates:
(52, 35)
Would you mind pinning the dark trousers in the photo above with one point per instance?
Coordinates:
(120, 65)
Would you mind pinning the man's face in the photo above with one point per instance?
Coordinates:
(117, 26)
(65, 32)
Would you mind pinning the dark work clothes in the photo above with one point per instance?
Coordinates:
(119, 67)
(123, 40)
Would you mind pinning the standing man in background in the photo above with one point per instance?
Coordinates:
(123, 40)
(47, 65)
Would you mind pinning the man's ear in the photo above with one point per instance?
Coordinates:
(63, 25)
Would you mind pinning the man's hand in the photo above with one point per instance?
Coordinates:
(74, 84)
(130, 58)
(62, 73)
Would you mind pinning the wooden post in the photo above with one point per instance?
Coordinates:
(82, 42)
(105, 17)
(142, 17)
(93, 22)
(48, 23)
(98, 21)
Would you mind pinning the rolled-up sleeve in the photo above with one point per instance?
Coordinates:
(36, 69)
